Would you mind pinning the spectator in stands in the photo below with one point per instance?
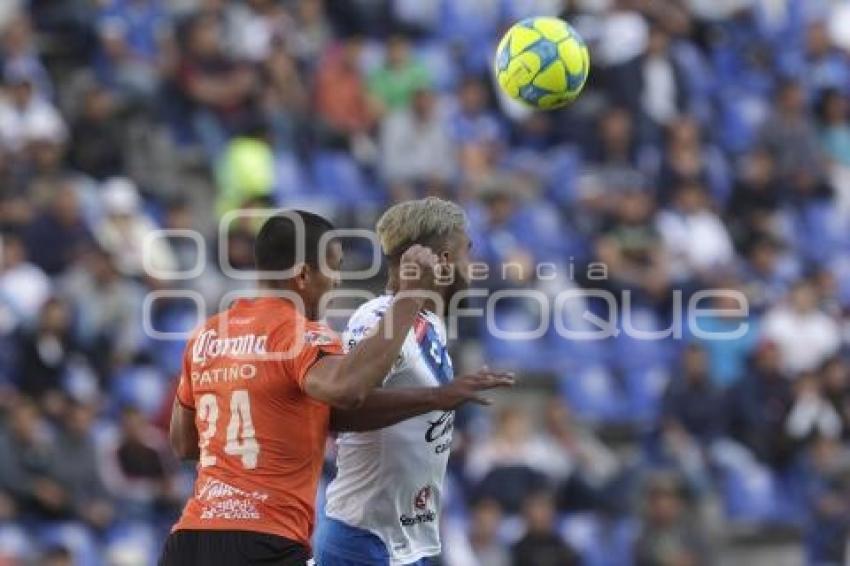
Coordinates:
(789, 134)
(44, 355)
(695, 239)
(97, 135)
(811, 415)
(834, 118)
(755, 199)
(541, 545)
(125, 229)
(758, 406)
(264, 24)
(667, 536)
(480, 544)
(496, 234)
(57, 234)
(806, 336)
(20, 54)
(689, 159)
(732, 318)
(583, 467)
(828, 489)
(395, 84)
(311, 32)
(140, 469)
(692, 405)
(340, 95)
(821, 64)
(835, 385)
(134, 36)
(613, 160)
(107, 310)
(219, 88)
(663, 95)
(415, 143)
(57, 556)
(630, 247)
(24, 114)
(79, 472)
(24, 287)
(513, 460)
(285, 98)
(29, 467)
(768, 273)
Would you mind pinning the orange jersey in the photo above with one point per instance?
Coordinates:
(261, 438)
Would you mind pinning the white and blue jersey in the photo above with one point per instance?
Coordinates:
(390, 481)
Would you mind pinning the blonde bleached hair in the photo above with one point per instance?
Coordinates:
(426, 221)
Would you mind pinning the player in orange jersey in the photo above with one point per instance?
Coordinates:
(254, 398)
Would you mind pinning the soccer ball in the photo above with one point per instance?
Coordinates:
(542, 62)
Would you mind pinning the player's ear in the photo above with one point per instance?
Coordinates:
(301, 276)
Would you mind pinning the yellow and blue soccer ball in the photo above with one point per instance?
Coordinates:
(542, 62)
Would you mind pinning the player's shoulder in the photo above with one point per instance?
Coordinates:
(369, 313)
(365, 318)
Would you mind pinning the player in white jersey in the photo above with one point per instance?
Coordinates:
(383, 507)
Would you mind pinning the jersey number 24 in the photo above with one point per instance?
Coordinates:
(240, 439)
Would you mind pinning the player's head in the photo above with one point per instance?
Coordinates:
(288, 244)
(436, 223)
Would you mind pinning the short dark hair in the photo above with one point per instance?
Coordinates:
(275, 246)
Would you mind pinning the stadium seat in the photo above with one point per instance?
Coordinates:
(644, 390)
(290, 179)
(751, 494)
(593, 393)
(437, 58)
(73, 536)
(337, 174)
(143, 387)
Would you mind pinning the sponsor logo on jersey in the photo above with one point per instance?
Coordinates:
(318, 338)
(417, 519)
(440, 431)
(422, 497)
(209, 346)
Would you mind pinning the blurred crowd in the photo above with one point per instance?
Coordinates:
(710, 150)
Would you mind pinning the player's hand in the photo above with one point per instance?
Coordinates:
(418, 269)
(469, 388)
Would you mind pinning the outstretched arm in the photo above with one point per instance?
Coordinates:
(386, 407)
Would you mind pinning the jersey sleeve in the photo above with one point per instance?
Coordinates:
(316, 340)
(364, 322)
(184, 386)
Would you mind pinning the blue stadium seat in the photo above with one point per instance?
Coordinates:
(290, 179)
(593, 394)
(437, 58)
(73, 536)
(751, 494)
(143, 387)
(16, 544)
(599, 542)
(644, 390)
(337, 175)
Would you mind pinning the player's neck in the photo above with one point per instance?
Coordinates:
(286, 292)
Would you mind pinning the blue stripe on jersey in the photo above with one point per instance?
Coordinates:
(434, 353)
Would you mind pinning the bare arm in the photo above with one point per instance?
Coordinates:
(386, 407)
(345, 381)
(182, 433)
